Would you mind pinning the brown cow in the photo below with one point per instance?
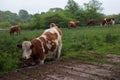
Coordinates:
(90, 22)
(107, 21)
(73, 24)
(15, 28)
(49, 43)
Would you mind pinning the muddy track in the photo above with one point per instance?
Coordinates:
(65, 70)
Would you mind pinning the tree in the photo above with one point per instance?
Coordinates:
(117, 18)
(94, 6)
(36, 21)
(8, 18)
(23, 14)
(55, 9)
(72, 6)
(93, 9)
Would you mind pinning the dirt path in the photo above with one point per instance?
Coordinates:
(66, 70)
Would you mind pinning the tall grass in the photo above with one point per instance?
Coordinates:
(98, 39)
(87, 44)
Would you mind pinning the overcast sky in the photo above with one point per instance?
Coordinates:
(38, 6)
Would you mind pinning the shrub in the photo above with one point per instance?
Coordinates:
(4, 24)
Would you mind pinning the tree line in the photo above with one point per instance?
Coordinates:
(71, 12)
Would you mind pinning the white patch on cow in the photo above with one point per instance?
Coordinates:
(113, 22)
(105, 19)
(44, 36)
(58, 42)
(59, 50)
(43, 47)
(52, 30)
(41, 44)
(26, 49)
(49, 45)
(48, 42)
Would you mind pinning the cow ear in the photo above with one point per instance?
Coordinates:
(31, 46)
(19, 46)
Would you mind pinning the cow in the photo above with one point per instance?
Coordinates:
(53, 25)
(90, 22)
(49, 44)
(15, 28)
(107, 21)
(73, 24)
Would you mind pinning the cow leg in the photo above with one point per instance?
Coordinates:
(54, 55)
(42, 61)
(11, 34)
(18, 32)
(113, 22)
(59, 51)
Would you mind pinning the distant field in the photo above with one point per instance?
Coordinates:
(86, 44)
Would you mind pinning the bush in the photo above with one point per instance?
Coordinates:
(27, 26)
(5, 24)
(44, 20)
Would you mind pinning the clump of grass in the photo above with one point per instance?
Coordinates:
(8, 62)
(109, 38)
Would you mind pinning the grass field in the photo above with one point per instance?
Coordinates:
(86, 44)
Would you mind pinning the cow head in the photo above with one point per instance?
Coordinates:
(26, 46)
(52, 25)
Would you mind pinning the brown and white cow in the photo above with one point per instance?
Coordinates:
(107, 21)
(73, 24)
(15, 28)
(90, 22)
(48, 44)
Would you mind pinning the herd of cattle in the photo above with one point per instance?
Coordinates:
(104, 22)
(50, 42)
(71, 24)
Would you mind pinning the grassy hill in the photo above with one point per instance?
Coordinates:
(86, 44)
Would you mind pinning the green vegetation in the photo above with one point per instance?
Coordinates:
(91, 44)
(86, 44)
(71, 12)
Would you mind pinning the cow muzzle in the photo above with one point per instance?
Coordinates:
(23, 58)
